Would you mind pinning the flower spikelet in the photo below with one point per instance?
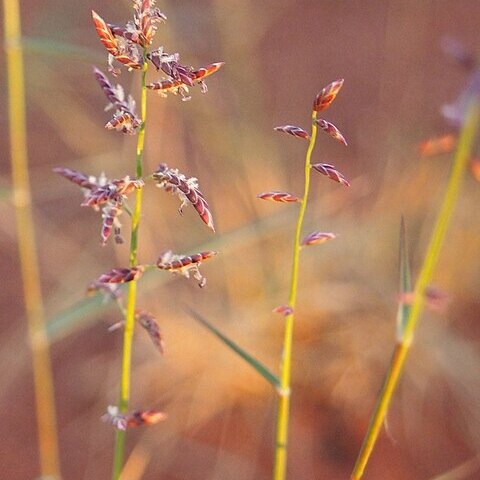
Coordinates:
(325, 98)
(136, 419)
(283, 197)
(114, 192)
(150, 324)
(171, 180)
(317, 238)
(185, 264)
(110, 214)
(179, 86)
(76, 177)
(118, 42)
(124, 120)
(331, 129)
(122, 275)
(293, 130)
(284, 310)
(106, 35)
(331, 172)
(144, 417)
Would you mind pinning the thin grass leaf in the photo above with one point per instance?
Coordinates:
(253, 362)
(43, 46)
(405, 283)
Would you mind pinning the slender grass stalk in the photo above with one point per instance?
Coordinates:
(132, 288)
(283, 412)
(39, 345)
(397, 363)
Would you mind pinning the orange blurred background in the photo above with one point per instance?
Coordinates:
(220, 412)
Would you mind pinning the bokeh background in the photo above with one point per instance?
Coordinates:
(220, 413)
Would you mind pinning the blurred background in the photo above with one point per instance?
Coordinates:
(221, 414)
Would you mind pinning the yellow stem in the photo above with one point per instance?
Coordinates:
(132, 289)
(397, 363)
(283, 412)
(41, 362)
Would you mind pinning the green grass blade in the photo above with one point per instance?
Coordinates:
(71, 318)
(44, 46)
(405, 283)
(253, 362)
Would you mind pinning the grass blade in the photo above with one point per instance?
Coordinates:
(252, 361)
(55, 48)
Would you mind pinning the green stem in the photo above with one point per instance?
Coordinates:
(283, 412)
(397, 363)
(38, 341)
(132, 290)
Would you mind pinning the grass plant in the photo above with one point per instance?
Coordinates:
(130, 47)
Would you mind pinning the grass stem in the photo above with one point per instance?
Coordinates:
(132, 290)
(38, 341)
(283, 412)
(462, 156)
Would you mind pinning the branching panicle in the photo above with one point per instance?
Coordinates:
(129, 45)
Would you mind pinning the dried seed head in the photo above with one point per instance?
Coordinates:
(325, 98)
(185, 265)
(122, 47)
(171, 180)
(331, 172)
(438, 145)
(138, 418)
(283, 197)
(145, 19)
(106, 35)
(144, 417)
(110, 215)
(76, 177)
(124, 122)
(331, 129)
(177, 86)
(293, 130)
(121, 275)
(114, 192)
(317, 238)
(149, 323)
(284, 310)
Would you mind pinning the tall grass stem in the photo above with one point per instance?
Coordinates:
(38, 341)
(462, 157)
(283, 411)
(124, 400)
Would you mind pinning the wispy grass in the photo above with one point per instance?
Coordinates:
(38, 340)
(408, 317)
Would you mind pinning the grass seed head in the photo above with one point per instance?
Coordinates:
(282, 197)
(331, 172)
(293, 130)
(325, 98)
(331, 129)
